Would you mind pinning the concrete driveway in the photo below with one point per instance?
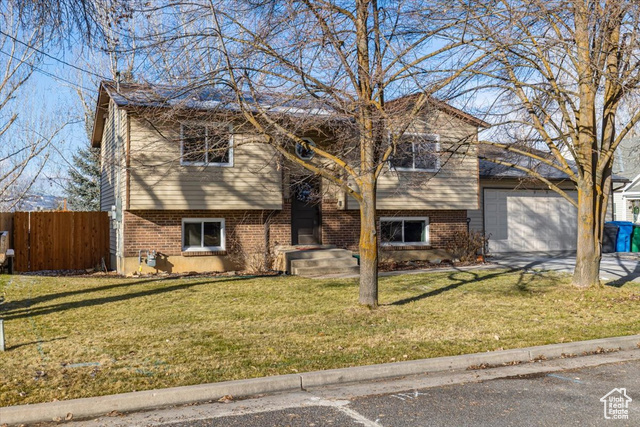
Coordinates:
(620, 268)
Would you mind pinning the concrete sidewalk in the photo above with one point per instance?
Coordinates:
(144, 400)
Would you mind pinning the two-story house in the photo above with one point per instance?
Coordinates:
(626, 197)
(196, 189)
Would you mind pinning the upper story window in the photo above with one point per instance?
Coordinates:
(206, 145)
(417, 152)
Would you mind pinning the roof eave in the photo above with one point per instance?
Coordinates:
(463, 115)
(630, 183)
(443, 106)
(99, 117)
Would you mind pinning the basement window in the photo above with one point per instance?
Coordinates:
(404, 231)
(417, 152)
(200, 234)
(206, 145)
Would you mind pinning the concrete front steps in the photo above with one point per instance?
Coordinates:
(312, 262)
(321, 266)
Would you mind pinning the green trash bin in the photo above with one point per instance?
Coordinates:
(635, 239)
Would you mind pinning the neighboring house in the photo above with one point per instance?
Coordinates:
(626, 198)
(519, 213)
(200, 211)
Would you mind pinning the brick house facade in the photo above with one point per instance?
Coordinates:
(226, 209)
(249, 233)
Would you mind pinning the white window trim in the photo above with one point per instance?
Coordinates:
(310, 142)
(228, 164)
(223, 239)
(431, 138)
(427, 232)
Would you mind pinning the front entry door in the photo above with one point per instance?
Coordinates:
(305, 212)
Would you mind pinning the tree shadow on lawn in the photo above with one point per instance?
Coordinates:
(25, 344)
(26, 311)
(27, 302)
(524, 280)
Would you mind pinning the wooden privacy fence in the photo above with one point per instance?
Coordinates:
(60, 240)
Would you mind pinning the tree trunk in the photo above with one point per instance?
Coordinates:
(589, 250)
(368, 247)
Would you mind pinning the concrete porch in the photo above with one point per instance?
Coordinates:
(315, 260)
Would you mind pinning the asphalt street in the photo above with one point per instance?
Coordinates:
(545, 399)
(526, 395)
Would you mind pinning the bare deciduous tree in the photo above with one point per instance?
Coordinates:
(559, 73)
(328, 67)
(65, 20)
(24, 137)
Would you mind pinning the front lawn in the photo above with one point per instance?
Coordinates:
(73, 337)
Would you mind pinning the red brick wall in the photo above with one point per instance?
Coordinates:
(161, 230)
(280, 226)
(340, 228)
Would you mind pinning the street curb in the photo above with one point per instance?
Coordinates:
(411, 367)
(466, 361)
(144, 400)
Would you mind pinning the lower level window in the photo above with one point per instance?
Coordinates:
(409, 231)
(203, 234)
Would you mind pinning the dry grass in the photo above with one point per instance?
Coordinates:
(76, 337)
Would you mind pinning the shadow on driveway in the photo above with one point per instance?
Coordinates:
(622, 270)
(615, 269)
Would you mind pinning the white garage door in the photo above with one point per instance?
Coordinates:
(528, 221)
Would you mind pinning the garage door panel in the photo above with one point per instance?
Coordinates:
(528, 220)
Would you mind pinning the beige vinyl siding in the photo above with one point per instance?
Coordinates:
(454, 186)
(107, 162)
(123, 158)
(108, 167)
(159, 181)
(120, 142)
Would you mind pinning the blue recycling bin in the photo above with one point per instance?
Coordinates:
(625, 231)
